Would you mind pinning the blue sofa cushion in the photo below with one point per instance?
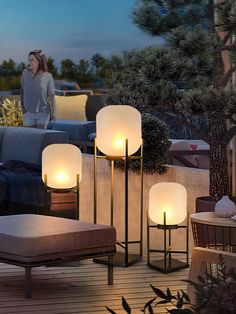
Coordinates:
(78, 130)
(27, 144)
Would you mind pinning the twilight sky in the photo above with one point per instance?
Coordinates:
(73, 29)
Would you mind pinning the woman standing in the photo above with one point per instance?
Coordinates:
(37, 92)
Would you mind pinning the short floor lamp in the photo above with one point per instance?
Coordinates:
(119, 138)
(62, 173)
(167, 209)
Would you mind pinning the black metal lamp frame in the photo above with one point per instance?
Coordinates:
(124, 258)
(74, 190)
(167, 264)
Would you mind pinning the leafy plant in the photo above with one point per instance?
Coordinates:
(177, 301)
(214, 295)
(10, 112)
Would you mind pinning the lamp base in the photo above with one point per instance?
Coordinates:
(119, 259)
(174, 265)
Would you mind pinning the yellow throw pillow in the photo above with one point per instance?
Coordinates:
(71, 107)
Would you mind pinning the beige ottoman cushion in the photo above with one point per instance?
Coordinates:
(36, 235)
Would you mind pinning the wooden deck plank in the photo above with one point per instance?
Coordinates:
(83, 289)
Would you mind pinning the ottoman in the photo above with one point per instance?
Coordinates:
(34, 240)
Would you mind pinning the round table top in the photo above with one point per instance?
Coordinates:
(210, 218)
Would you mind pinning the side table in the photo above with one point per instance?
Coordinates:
(212, 231)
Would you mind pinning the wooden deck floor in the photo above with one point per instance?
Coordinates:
(82, 289)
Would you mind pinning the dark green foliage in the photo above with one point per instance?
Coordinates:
(155, 148)
(208, 102)
(158, 17)
(100, 64)
(227, 16)
(68, 69)
(178, 301)
(214, 294)
(148, 77)
(51, 67)
(188, 75)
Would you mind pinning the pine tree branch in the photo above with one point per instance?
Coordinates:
(182, 120)
(231, 119)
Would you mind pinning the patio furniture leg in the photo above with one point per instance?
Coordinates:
(110, 270)
(28, 282)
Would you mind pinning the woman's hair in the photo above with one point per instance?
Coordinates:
(42, 60)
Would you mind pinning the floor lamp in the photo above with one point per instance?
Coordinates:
(62, 171)
(167, 209)
(118, 138)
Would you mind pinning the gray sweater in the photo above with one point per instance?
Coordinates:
(37, 92)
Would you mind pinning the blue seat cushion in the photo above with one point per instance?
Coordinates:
(77, 130)
(27, 144)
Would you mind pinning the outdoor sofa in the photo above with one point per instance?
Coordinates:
(21, 187)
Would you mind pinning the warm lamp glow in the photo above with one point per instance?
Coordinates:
(168, 197)
(61, 163)
(114, 125)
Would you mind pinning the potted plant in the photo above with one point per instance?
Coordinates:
(189, 75)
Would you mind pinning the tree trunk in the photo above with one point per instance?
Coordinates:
(219, 180)
(219, 177)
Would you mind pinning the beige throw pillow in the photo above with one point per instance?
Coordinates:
(71, 107)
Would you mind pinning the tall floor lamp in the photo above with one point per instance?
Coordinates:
(167, 209)
(62, 170)
(119, 137)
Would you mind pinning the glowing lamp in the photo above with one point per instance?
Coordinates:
(61, 163)
(167, 209)
(119, 135)
(169, 198)
(116, 124)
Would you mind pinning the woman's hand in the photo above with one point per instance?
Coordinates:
(52, 116)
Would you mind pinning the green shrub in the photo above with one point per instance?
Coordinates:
(155, 147)
(10, 112)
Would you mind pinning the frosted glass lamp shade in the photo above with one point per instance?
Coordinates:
(168, 197)
(61, 163)
(114, 125)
